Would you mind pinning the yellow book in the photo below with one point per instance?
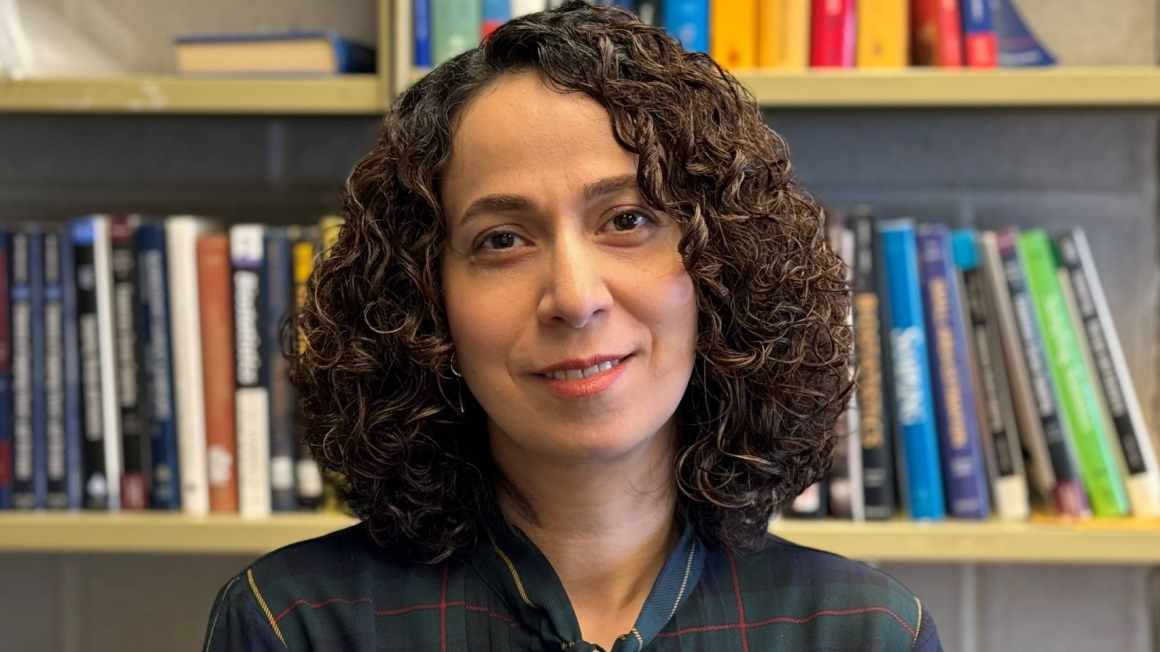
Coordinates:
(329, 226)
(733, 33)
(783, 34)
(883, 34)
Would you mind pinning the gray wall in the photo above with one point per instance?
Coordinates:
(1055, 168)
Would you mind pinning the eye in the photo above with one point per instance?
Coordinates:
(629, 220)
(498, 240)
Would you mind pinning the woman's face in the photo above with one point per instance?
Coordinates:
(554, 261)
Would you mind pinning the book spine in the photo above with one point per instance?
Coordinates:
(39, 432)
(6, 425)
(874, 422)
(53, 396)
(688, 22)
(846, 455)
(96, 479)
(1068, 492)
(1018, 47)
(23, 444)
(1075, 390)
(307, 477)
(134, 436)
(455, 28)
(157, 361)
(185, 337)
(71, 376)
(937, 33)
(1142, 470)
(215, 292)
(883, 39)
(107, 352)
(997, 427)
(524, 7)
(980, 47)
(421, 27)
(913, 407)
(252, 397)
(783, 34)
(278, 295)
(832, 38)
(732, 33)
(495, 13)
(650, 11)
(964, 472)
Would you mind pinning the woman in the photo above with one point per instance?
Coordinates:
(580, 337)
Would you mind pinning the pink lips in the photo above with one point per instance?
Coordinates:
(584, 387)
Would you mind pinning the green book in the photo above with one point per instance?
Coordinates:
(1077, 394)
(456, 27)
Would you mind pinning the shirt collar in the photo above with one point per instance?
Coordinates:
(517, 570)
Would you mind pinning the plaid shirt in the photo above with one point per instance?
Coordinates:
(344, 592)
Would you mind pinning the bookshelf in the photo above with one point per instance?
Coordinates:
(1041, 541)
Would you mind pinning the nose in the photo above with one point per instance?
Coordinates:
(575, 288)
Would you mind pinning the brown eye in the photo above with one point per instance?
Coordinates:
(498, 241)
(629, 221)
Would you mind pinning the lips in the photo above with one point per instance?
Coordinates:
(577, 374)
(582, 382)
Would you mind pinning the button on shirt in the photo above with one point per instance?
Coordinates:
(345, 592)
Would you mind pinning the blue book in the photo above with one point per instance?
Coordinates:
(6, 459)
(28, 449)
(52, 372)
(495, 13)
(278, 295)
(247, 53)
(1018, 46)
(73, 436)
(913, 404)
(157, 357)
(964, 470)
(421, 16)
(688, 22)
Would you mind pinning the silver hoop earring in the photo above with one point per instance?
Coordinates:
(453, 369)
(458, 385)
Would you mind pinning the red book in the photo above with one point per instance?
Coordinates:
(938, 33)
(832, 37)
(215, 295)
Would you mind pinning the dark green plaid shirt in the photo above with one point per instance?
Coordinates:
(344, 592)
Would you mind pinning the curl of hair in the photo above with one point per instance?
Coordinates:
(374, 368)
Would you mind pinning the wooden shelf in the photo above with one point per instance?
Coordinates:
(1093, 542)
(345, 94)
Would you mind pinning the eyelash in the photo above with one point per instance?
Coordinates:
(648, 218)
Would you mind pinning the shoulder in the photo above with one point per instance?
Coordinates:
(341, 573)
(822, 597)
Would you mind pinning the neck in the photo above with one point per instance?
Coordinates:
(606, 526)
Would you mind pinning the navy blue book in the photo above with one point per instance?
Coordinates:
(94, 467)
(913, 403)
(279, 296)
(28, 451)
(73, 436)
(421, 16)
(6, 460)
(157, 360)
(964, 470)
(52, 382)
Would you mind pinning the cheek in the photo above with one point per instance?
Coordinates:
(481, 332)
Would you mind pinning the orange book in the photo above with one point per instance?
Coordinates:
(215, 295)
(783, 34)
(733, 33)
(883, 34)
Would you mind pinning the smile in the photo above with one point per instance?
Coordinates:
(589, 381)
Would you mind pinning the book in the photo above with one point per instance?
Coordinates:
(650, 11)
(25, 248)
(688, 22)
(913, 401)
(964, 471)
(980, 46)
(847, 498)
(1142, 473)
(56, 445)
(247, 255)
(1074, 386)
(495, 13)
(783, 34)
(1040, 424)
(278, 296)
(130, 377)
(70, 352)
(307, 477)
(733, 33)
(421, 30)
(106, 352)
(305, 52)
(181, 234)
(832, 35)
(883, 34)
(998, 429)
(874, 431)
(524, 7)
(215, 296)
(157, 361)
(96, 480)
(6, 435)
(1076, 32)
(455, 28)
(937, 33)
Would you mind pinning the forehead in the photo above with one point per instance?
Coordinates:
(520, 135)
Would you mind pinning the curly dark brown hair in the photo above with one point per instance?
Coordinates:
(770, 377)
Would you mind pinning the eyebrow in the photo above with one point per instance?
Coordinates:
(515, 203)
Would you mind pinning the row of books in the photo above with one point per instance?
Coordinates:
(142, 366)
(778, 34)
(990, 377)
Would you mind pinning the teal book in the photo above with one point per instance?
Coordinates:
(1077, 395)
(455, 28)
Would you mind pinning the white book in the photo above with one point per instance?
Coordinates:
(247, 256)
(181, 235)
(110, 403)
(853, 416)
(524, 7)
